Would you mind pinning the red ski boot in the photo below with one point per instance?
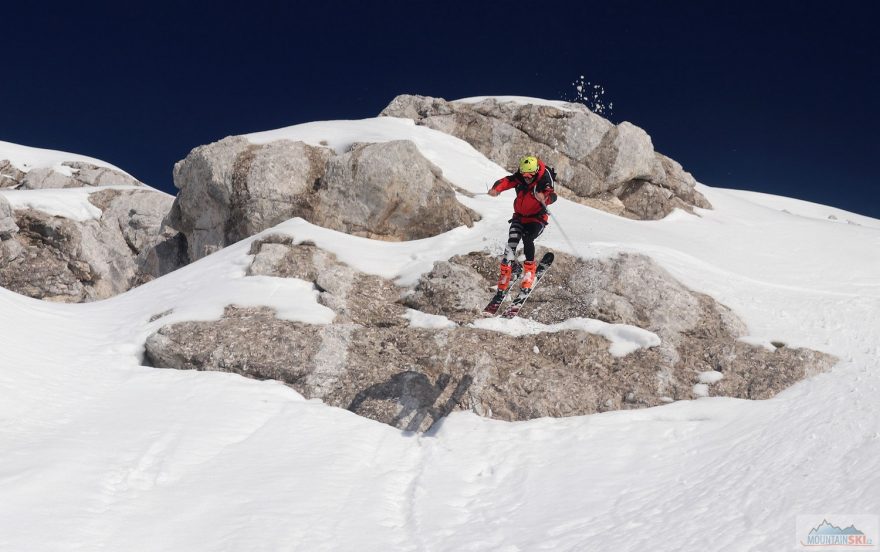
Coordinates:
(504, 277)
(528, 277)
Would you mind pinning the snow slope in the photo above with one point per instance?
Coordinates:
(97, 452)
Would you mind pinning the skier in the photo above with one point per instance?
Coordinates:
(534, 191)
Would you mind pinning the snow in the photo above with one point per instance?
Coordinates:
(25, 158)
(799, 207)
(99, 452)
(71, 203)
(757, 342)
(711, 376)
(461, 163)
(419, 319)
(624, 339)
(202, 291)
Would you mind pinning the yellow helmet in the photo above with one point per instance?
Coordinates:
(528, 164)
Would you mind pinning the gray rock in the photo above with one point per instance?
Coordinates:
(592, 156)
(371, 362)
(167, 254)
(7, 220)
(138, 216)
(57, 259)
(10, 175)
(455, 290)
(355, 297)
(83, 175)
(44, 261)
(625, 154)
(203, 207)
(92, 175)
(273, 183)
(66, 260)
(45, 178)
(682, 183)
(232, 189)
(388, 191)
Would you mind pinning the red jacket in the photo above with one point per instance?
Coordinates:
(526, 207)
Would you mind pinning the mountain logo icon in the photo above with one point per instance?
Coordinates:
(827, 534)
(826, 528)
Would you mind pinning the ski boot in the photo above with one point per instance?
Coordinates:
(528, 277)
(505, 275)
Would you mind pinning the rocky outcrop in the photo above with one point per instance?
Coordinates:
(10, 175)
(7, 220)
(167, 253)
(699, 336)
(44, 260)
(138, 216)
(233, 189)
(355, 297)
(371, 361)
(58, 259)
(613, 167)
(388, 191)
(81, 175)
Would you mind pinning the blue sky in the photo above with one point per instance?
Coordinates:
(777, 97)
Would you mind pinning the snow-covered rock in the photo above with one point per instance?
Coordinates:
(594, 158)
(370, 361)
(83, 174)
(73, 259)
(26, 168)
(233, 189)
(10, 175)
(77, 228)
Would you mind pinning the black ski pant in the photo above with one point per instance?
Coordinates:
(528, 233)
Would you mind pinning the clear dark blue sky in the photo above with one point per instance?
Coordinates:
(778, 97)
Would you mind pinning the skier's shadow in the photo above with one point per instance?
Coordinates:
(416, 395)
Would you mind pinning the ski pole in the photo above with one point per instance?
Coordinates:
(561, 231)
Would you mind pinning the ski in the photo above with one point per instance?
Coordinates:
(516, 305)
(492, 308)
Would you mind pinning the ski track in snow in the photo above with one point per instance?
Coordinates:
(101, 453)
